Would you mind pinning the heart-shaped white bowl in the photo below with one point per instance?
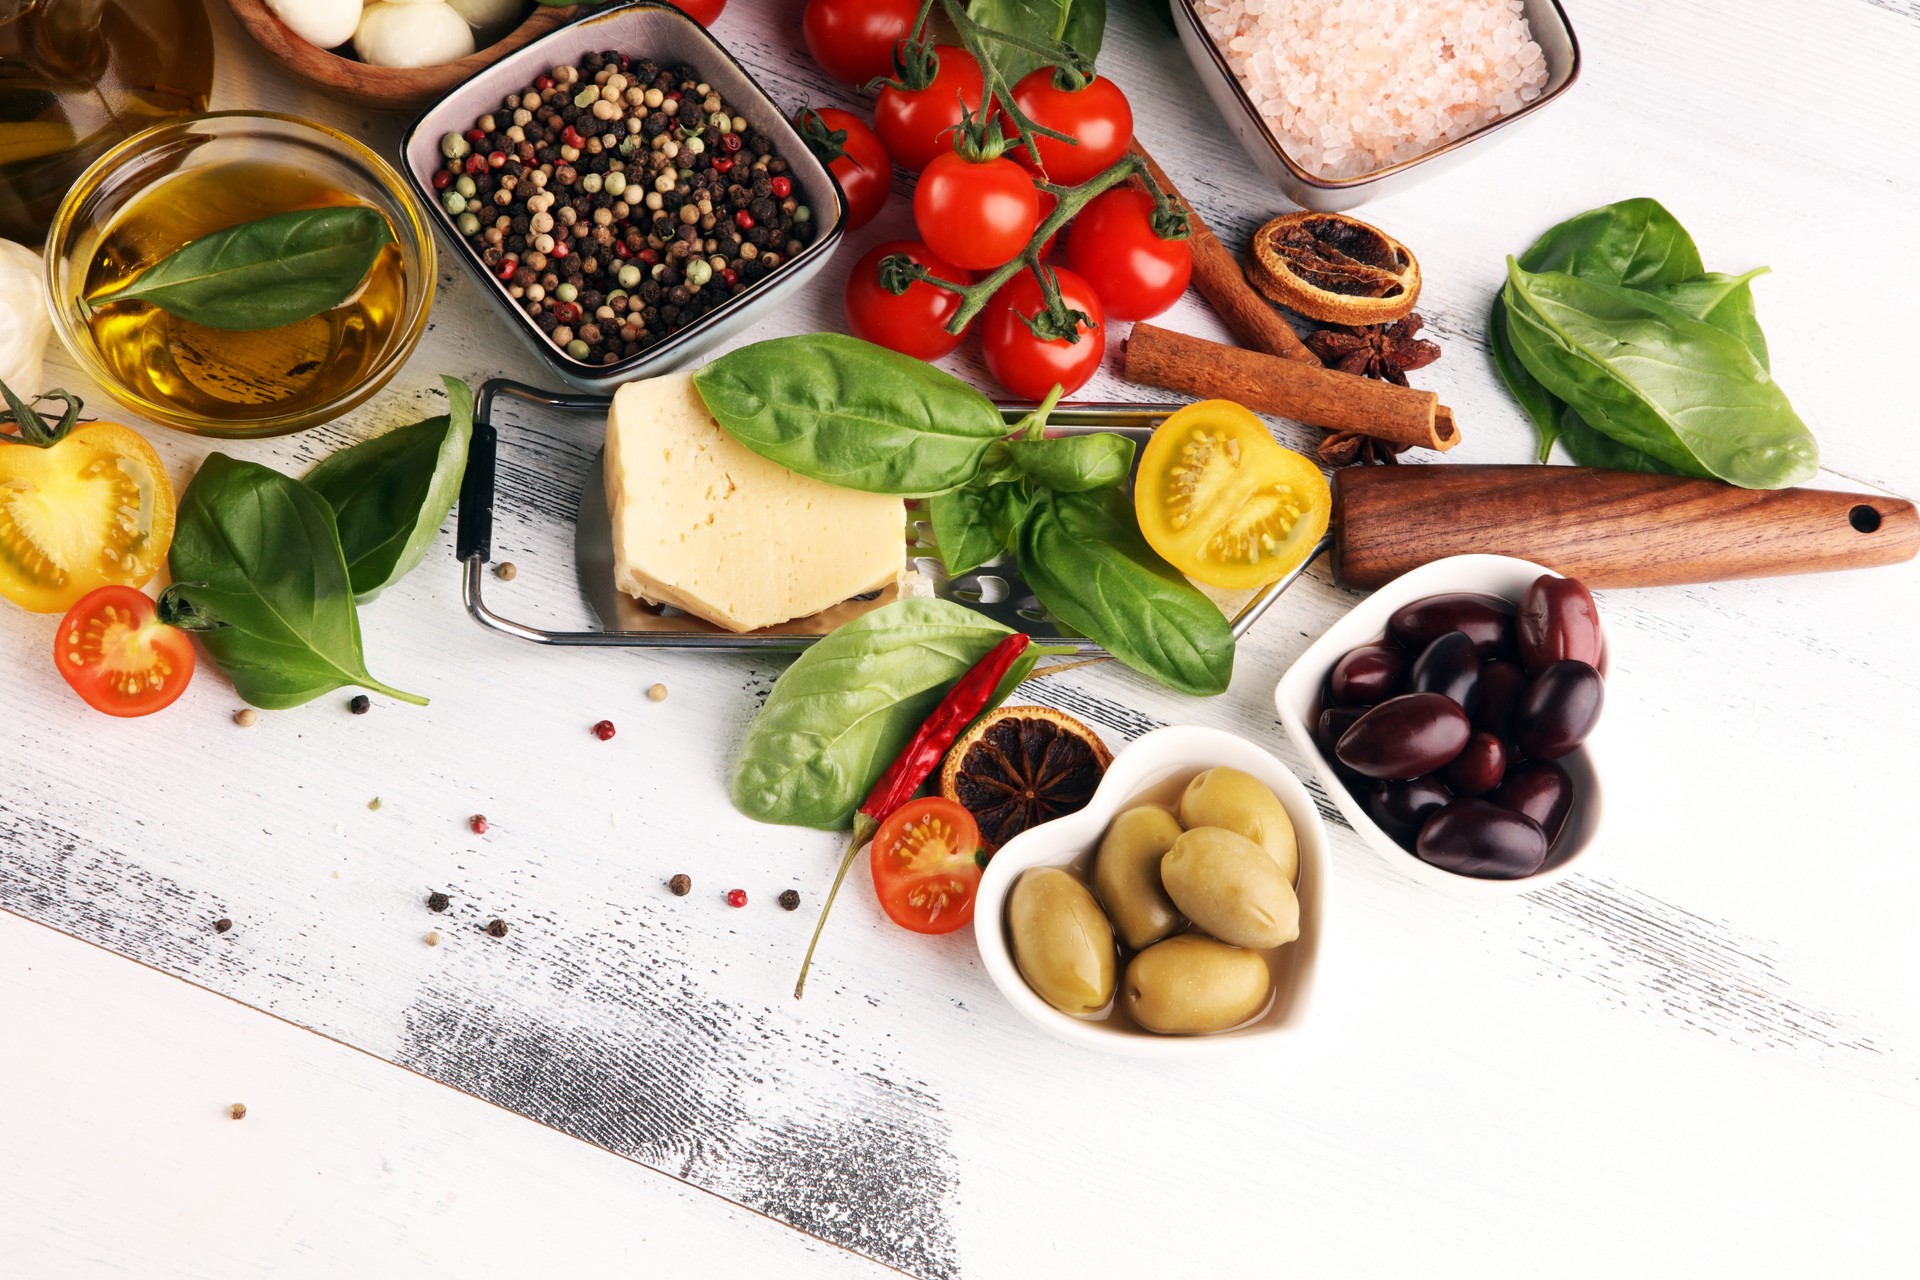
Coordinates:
(1154, 768)
(1298, 697)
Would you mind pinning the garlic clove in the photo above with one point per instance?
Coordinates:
(490, 19)
(408, 33)
(25, 322)
(326, 24)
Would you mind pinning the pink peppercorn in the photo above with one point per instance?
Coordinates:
(543, 82)
(723, 164)
(507, 268)
(782, 187)
(736, 897)
(476, 135)
(442, 180)
(603, 730)
(744, 220)
(729, 274)
(478, 824)
(496, 160)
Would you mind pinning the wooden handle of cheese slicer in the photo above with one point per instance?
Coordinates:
(1607, 528)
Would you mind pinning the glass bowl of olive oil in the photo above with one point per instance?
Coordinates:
(173, 185)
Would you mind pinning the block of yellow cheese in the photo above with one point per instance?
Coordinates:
(702, 523)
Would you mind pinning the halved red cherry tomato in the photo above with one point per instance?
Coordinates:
(926, 865)
(863, 169)
(1026, 365)
(915, 125)
(117, 654)
(853, 40)
(913, 323)
(975, 213)
(1097, 114)
(1136, 273)
(701, 11)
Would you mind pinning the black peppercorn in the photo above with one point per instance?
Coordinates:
(437, 901)
(497, 928)
(681, 885)
(790, 900)
(360, 704)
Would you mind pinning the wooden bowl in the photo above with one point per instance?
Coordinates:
(382, 88)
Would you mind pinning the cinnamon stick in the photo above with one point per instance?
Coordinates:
(1221, 280)
(1319, 397)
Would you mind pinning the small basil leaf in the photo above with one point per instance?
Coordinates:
(963, 530)
(391, 494)
(1635, 243)
(849, 413)
(1538, 403)
(1725, 302)
(1083, 555)
(841, 713)
(1075, 464)
(258, 551)
(265, 273)
(1081, 24)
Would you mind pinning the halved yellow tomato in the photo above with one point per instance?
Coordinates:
(1224, 503)
(92, 509)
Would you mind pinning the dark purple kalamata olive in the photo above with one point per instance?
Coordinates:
(1476, 838)
(1331, 723)
(1558, 710)
(1542, 791)
(1401, 808)
(1557, 619)
(1487, 620)
(1405, 737)
(1501, 684)
(1372, 673)
(1449, 666)
(1479, 767)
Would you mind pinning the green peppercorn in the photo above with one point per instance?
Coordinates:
(464, 185)
(803, 214)
(469, 225)
(694, 146)
(699, 271)
(578, 349)
(629, 275)
(566, 293)
(455, 203)
(587, 96)
(455, 147)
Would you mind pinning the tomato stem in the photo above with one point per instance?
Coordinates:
(36, 428)
(863, 831)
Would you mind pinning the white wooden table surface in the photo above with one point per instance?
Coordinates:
(1698, 1058)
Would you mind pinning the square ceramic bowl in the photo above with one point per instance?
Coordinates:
(1298, 697)
(1551, 31)
(667, 36)
(1154, 769)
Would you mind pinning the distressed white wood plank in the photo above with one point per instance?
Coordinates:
(1699, 1056)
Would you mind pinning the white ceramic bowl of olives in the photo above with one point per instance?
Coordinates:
(1306, 691)
(1197, 979)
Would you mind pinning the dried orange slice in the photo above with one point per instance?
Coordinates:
(1022, 766)
(1334, 269)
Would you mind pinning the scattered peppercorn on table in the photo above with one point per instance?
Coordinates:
(535, 893)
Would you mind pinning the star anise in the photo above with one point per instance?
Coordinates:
(1383, 351)
(1345, 448)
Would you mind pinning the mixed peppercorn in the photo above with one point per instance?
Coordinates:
(619, 202)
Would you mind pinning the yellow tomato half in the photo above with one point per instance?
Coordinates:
(93, 510)
(1224, 503)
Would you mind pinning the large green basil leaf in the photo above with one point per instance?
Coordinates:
(1723, 301)
(1080, 24)
(265, 273)
(258, 552)
(841, 713)
(1075, 464)
(1540, 405)
(1658, 380)
(391, 494)
(1083, 555)
(850, 413)
(1589, 448)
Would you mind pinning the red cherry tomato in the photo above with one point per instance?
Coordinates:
(864, 171)
(915, 125)
(853, 40)
(1028, 366)
(913, 323)
(117, 654)
(925, 863)
(701, 11)
(1136, 273)
(975, 214)
(1098, 115)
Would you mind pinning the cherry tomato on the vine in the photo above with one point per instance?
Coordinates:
(975, 213)
(701, 11)
(117, 654)
(1136, 273)
(1027, 365)
(913, 323)
(863, 169)
(925, 869)
(1097, 114)
(916, 125)
(853, 40)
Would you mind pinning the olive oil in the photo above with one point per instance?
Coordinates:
(78, 76)
(226, 375)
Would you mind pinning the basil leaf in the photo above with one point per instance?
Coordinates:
(1083, 555)
(1075, 464)
(841, 713)
(265, 273)
(1540, 405)
(1590, 448)
(1725, 302)
(1658, 380)
(963, 529)
(391, 494)
(1080, 24)
(258, 552)
(850, 413)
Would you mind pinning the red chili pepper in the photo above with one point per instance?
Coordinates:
(923, 752)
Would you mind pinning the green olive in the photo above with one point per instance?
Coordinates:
(1190, 984)
(1126, 875)
(1061, 941)
(1240, 802)
(1227, 885)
